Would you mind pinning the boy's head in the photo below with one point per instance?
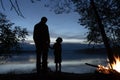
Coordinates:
(59, 39)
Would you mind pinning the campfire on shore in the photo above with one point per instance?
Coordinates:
(111, 68)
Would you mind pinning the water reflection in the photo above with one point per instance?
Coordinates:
(73, 61)
(75, 66)
(17, 68)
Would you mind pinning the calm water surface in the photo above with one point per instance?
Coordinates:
(73, 60)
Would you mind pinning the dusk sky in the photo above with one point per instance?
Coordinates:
(60, 25)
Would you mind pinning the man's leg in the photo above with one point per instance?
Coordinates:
(38, 59)
(44, 61)
(44, 58)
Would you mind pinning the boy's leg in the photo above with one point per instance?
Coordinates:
(59, 67)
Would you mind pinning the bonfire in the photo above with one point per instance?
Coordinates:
(111, 68)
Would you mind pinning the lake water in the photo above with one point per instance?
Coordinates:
(73, 60)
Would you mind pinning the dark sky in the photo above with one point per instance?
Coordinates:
(63, 25)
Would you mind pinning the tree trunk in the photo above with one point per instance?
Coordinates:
(104, 37)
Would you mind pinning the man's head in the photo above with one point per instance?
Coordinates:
(43, 19)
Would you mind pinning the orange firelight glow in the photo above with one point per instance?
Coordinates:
(110, 68)
(116, 65)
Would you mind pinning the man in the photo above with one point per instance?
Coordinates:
(42, 42)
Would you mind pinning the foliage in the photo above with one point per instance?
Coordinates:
(109, 14)
(10, 35)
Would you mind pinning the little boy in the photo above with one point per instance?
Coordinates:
(57, 53)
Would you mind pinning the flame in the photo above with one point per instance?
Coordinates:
(110, 68)
(116, 65)
(103, 69)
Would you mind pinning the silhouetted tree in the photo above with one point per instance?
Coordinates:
(108, 10)
(101, 18)
(10, 35)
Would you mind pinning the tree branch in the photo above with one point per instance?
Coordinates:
(16, 8)
(20, 13)
(1, 2)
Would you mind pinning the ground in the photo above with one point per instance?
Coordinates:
(59, 76)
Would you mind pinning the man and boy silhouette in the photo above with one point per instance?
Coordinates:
(42, 43)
